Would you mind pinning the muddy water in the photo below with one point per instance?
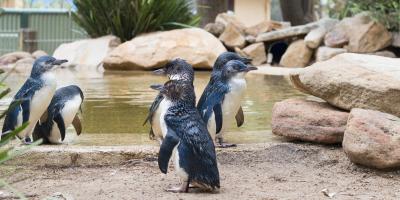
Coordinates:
(116, 105)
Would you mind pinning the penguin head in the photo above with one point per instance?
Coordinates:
(228, 56)
(177, 69)
(45, 64)
(175, 90)
(236, 68)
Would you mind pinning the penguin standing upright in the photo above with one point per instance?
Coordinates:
(177, 69)
(223, 98)
(34, 97)
(215, 77)
(61, 112)
(187, 137)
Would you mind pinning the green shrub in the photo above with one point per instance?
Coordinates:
(128, 18)
(385, 11)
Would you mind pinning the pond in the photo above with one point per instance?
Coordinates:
(116, 104)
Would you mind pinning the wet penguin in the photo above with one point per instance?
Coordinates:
(186, 137)
(224, 98)
(177, 69)
(61, 112)
(216, 75)
(34, 97)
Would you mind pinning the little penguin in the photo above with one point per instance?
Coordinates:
(223, 99)
(33, 98)
(177, 69)
(187, 137)
(216, 75)
(61, 112)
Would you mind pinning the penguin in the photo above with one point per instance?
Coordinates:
(33, 98)
(187, 137)
(177, 69)
(223, 99)
(61, 112)
(216, 75)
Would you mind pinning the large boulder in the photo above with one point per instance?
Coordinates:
(351, 80)
(215, 28)
(325, 53)
(86, 52)
(361, 34)
(296, 55)
(13, 57)
(151, 51)
(230, 18)
(372, 138)
(233, 37)
(256, 52)
(310, 121)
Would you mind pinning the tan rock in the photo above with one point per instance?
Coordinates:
(297, 55)
(351, 80)
(307, 120)
(232, 37)
(13, 57)
(256, 52)
(384, 53)
(240, 52)
(325, 53)
(150, 51)
(229, 18)
(87, 52)
(372, 138)
(263, 27)
(315, 37)
(336, 39)
(39, 53)
(215, 28)
(250, 39)
(396, 39)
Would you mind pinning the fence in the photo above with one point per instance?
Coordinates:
(52, 28)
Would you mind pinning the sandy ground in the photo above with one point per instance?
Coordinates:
(265, 171)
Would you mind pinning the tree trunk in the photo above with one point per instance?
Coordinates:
(209, 9)
(297, 12)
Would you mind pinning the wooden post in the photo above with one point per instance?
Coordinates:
(27, 40)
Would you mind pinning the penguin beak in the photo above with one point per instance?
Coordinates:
(59, 62)
(159, 71)
(157, 87)
(250, 68)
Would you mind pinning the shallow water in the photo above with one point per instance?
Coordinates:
(116, 104)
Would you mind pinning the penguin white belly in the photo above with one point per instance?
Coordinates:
(232, 100)
(40, 101)
(179, 170)
(159, 126)
(68, 113)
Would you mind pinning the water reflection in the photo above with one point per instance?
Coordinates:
(116, 104)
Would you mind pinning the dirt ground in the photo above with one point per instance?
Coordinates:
(278, 171)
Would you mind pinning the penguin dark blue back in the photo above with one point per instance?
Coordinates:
(61, 112)
(195, 157)
(177, 69)
(34, 97)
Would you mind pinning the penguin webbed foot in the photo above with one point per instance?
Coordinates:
(27, 141)
(183, 188)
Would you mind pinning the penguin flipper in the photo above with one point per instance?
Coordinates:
(239, 117)
(218, 117)
(61, 126)
(153, 108)
(25, 105)
(167, 146)
(76, 122)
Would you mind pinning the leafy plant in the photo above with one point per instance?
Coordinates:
(8, 151)
(128, 18)
(385, 11)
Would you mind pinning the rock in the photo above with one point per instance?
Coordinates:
(256, 52)
(307, 120)
(325, 53)
(263, 27)
(215, 28)
(250, 39)
(240, 52)
(396, 39)
(296, 55)
(230, 18)
(372, 138)
(150, 51)
(363, 35)
(39, 53)
(385, 53)
(87, 52)
(27, 61)
(315, 37)
(232, 37)
(13, 57)
(351, 80)
(291, 31)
